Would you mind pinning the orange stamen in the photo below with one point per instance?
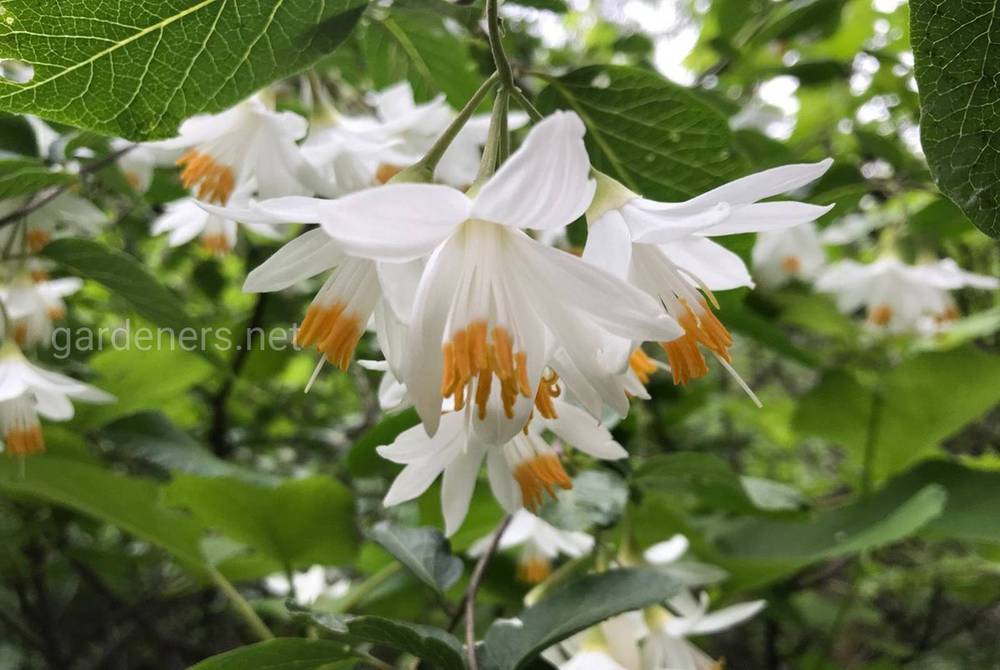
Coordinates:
(25, 441)
(540, 474)
(548, 389)
(791, 264)
(216, 244)
(642, 365)
(215, 181)
(880, 315)
(473, 357)
(704, 328)
(533, 569)
(385, 172)
(37, 240)
(333, 331)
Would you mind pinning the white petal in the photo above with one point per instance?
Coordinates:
(609, 244)
(668, 551)
(580, 430)
(53, 405)
(767, 216)
(307, 255)
(546, 183)
(502, 481)
(412, 481)
(710, 262)
(459, 482)
(765, 184)
(727, 617)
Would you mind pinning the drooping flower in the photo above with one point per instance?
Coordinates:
(898, 297)
(35, 305)
(541, 544)
(783, 255)
(480, 326)
(614, 644)
(520, 471)
(139, 161)
(224, 151)
(185, 220)
(27, 391)
(66, 214)
(665, 249)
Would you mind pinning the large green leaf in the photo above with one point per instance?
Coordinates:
(138, 69)
(425, 551)
(958, 71)
(298, 523)
(513, 643)
(131, 503)
(923, 401)
(654, 136)
(281, 654)
(125, 277)
(19, 176)
(440, 649)
(598, 498)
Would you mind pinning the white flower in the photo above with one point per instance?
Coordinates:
(26, 391)
(614, 644)
(66, 214)
(520, 471)
(664, 248)
(851, 228)
(34, 306)
(481, 326)
(139, 161)
(349, 150)
(780, 256)
(308, 586)
(413, 128)
(898, 297)
(666, 646)
(185, 219)
(249, 141)
(542, 543)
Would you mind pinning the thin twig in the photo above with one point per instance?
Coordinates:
(470, 594)
(45, 197)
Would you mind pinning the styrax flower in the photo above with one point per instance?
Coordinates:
(34, 305)
(780, 256)
(541, 543)
(185, 219)
(521, 471)
(65, 214)
(249, 141)
(481, 325)
(897, 296)
(139, 161)
(665, 249)
(27, 391)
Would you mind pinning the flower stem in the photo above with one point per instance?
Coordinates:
(240, 605)
(430, 161)
(496, 45)
(497, 143)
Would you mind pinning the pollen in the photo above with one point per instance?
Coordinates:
(880, 315)
(133, 180)
(21, 333)
(56, 313)
(950, 313)
(791, 264)
(473, 357)
(533, 569)
(38, 239)
(24, 441)
(541, 474)
(215, 181)
(642, 365)
(39, 276)
(334, 331)
(702, 327)
(216, 243)
(548, 390)
(385, 172)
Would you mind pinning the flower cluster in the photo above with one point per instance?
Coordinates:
(511, 350)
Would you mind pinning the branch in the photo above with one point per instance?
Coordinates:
(470, 595)
(46, 196)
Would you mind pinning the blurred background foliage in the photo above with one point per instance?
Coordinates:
(862, 501)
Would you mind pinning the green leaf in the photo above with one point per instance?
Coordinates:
(654, 136)
(362, 459)
(959, 78)
(150, 436)
(973, 500)
(134, 375)
(281, 654)
(138, 70)
(416, 46)
(511, 644)
(912, 421)
(425, 551)
(440, 649)
(125, 277)
(759, 550)
(298, 523)
(24, 177)
(127, 502)
(16, 135)
(598, 498)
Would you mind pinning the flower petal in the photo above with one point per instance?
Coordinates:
(668, 551)
(546, 183)
(710, 262)
(307, 255)
(727, 617)
(458, 484)
(582, 431)
(609, 244)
